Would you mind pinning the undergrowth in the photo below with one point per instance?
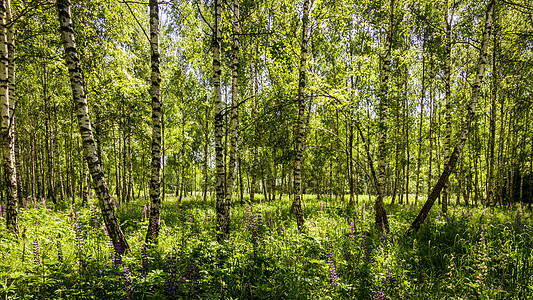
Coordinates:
(64, 253)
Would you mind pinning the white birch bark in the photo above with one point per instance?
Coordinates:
(297, 188)
(6, 126)
(89, 145)
(155, 93)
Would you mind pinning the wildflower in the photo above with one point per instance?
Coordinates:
(482, 257)
(332, 270)
(380, 296)
(172, 283)
(366, 249)
(144, 260)
(36, 252)
(352, 231)
(451, 269)
(254, 232)
(77, 229)
(128, 289)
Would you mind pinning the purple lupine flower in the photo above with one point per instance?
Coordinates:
(332, 270)
(36, 252)
(144, 260)
(128, 289)
(282, 227)
(366, 249)
(172, 282)
(389, 278)
(352, 231)
(320, 205)
(254, 232)
(380, 296)
(247, 213)
(77, 231)
(192, 275)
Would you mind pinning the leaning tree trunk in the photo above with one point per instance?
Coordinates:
(234, 116)
(222, 220)
(7, 137)
(466, 124)
(89, 146)
(155, 180)
(297, 201)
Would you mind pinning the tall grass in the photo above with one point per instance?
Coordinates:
(469, 254)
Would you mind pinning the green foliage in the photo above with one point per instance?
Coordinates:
(467, 255)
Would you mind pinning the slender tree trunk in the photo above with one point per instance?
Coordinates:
(255, 91)
(381, 220)
(206, 153)
(492, 125)
(241, 185)
(467, 123)
(79, 97)
(448, 108)
(351, 202)
(155, 210)
(222, 220)
(7, 137)
(297, 200)
(234, 119)
(11, 78)
(163, 178)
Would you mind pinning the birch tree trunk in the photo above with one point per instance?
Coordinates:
(422, 97)
(6, 126)
(11, 77)
(297, 200)
(383, 111)
(234, 116)
(155, 93)
(222, 220)
(466, 124)
(89, 146)
(448, 108)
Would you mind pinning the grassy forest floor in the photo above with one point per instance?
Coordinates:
(64, 253)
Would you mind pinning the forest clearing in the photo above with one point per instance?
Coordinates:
(286, 149)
